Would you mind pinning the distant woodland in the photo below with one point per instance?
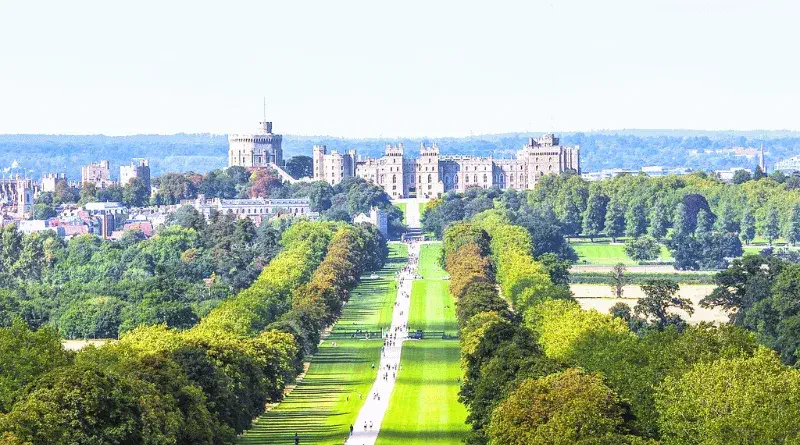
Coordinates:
(37, 154)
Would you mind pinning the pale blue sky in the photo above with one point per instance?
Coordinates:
(411, 68)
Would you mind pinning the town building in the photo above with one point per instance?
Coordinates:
(789, 166)
(377, 217)
(49, 181)
(97, 173)
(257, 209)
(138, 168)
(432, 174)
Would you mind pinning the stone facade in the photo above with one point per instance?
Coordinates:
(334, 166)
(261, 149)
(431, 174)
(138, 168)
(98, 173)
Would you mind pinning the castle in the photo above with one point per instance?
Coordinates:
(259, 149)
(432, 174)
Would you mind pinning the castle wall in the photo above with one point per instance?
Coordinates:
(431, 175)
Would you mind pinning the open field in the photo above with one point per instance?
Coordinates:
(609, 254)
(424, 407)
(324, 405)
(599, 297)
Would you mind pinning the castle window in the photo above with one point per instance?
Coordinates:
(394, 179)
(455, 179)
(429, 178)
(475, 178)
(484, 177)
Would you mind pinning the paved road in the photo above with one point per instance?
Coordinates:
(368, 423)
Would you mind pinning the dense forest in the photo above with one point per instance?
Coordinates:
(37, 154)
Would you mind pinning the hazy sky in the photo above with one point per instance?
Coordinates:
(380, 68)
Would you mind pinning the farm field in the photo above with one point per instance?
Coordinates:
(599, 297)
(424, 408)
(326, 402)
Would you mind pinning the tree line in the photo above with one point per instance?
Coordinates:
(202, 385)
(548, 371)
(703, 221)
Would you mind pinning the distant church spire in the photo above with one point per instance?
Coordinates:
(761, 159)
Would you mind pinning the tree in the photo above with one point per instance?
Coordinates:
(618, 280)
(680, 221)
(741, 176)
(621, 310)
(595, 215)
(300, 167)
(748, 226)
(563, 408)
(703, 223)
(25, 356)
(188, 217)
(43, 211)
(728, 222)
(615, 219)
(112, 193)
(736, 400)
(660, 296)
(644, 248)
(88, 193)
(659, 222)
(793, 230)
(759, 173)
(772, 226)
(636, 219)
(135, 193)
(264, 181)
(78, 404)
(64, 193)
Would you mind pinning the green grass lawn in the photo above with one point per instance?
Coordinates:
(424, 407)
(402, 207)
(422, 208)
(605, 254)
(318, 409)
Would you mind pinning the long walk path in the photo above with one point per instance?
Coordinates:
(368, 422)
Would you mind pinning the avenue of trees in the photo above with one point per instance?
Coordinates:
(550, 372)
(701, 220)
(201, 385)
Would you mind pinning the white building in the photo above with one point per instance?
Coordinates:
(97, 173)
(138, 168)
(377, 218)
(257, 209)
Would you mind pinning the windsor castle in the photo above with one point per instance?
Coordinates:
(428, 176)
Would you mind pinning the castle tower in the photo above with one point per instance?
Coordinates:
(258, 149)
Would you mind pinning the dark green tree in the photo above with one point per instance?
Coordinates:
(748, 226)
(615, 219)
(595, 215)
(636, 219)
